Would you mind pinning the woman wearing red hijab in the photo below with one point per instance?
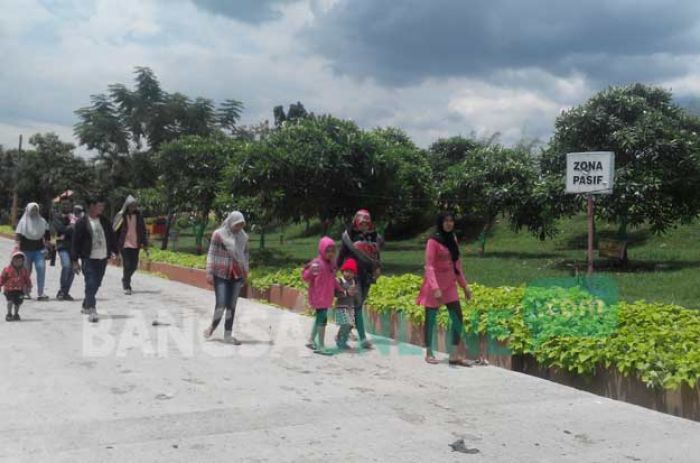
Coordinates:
(362, 242)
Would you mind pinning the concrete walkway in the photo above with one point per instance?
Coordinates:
(126, 390)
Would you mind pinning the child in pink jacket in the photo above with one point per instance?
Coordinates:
(320, 275)
(15, 280)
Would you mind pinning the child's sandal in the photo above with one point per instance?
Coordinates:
(312, 346)
(8, 317)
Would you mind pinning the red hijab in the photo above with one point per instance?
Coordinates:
(362, 215)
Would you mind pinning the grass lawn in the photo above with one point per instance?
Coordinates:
(663, 269)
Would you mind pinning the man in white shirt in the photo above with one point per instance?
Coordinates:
(93, 244)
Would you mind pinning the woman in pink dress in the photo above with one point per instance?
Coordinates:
(443, 272)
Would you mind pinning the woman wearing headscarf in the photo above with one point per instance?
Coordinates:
(130, 229)
(443, 272)
(362, 242)
(227, 269)
(32, 237)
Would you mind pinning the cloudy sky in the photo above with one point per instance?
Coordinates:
(432, 67)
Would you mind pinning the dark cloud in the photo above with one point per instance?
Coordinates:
(250, 11)
(405, 41)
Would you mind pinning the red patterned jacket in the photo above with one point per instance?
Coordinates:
(15, 280)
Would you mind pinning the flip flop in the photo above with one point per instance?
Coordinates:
(431, 360)
(482, 362)
(324, 351)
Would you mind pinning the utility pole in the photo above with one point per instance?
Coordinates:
(15, 197)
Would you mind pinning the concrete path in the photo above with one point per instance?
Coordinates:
(125, 390)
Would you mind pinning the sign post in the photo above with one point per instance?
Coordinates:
(591, 217)
(15, 196)
(590, 173)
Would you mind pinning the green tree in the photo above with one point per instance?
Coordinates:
(492, 181)
(399, 188)
(296, 112)
(191, 169)
(446, 152)
(303, 170)
(50, 169)
(325, 168)
(127, 126)
(7, 181)
(656, 144)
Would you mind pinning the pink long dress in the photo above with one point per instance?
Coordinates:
(440, 274)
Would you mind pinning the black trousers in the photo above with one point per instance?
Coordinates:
(130, 262)
(359, 317)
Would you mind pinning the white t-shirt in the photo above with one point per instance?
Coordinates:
(99, 240)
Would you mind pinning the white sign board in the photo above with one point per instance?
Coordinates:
(592, 172)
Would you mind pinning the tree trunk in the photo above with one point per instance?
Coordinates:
(482, 242)
(199, 228)
(482, 237)
(622, 230)
(262, 238)
(168, 224)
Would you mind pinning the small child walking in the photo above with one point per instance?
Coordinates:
(347, 298)
(320, 276)
(16, 282)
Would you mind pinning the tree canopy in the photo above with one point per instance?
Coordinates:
(657, 169)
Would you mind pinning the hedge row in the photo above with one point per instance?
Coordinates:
(565, 327)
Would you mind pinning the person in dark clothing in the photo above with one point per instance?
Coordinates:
(130, 229)
(63, 225)
(33, 237)
(93, 244)
(362, 243)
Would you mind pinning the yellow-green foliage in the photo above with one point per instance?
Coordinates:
(568, 328)
(178, 258)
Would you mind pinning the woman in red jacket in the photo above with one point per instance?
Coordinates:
(443, 272)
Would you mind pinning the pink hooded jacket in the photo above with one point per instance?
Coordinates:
(322, 285)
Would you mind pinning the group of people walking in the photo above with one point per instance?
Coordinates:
(85, 241)
(337, 278)
(360, 266)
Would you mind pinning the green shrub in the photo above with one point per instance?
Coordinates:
(263, 278)
(178, 258)
(571, 329)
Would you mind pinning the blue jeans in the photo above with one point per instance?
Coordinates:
(67, 274)
(227, 292)
(37, 259)
(94, 272)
